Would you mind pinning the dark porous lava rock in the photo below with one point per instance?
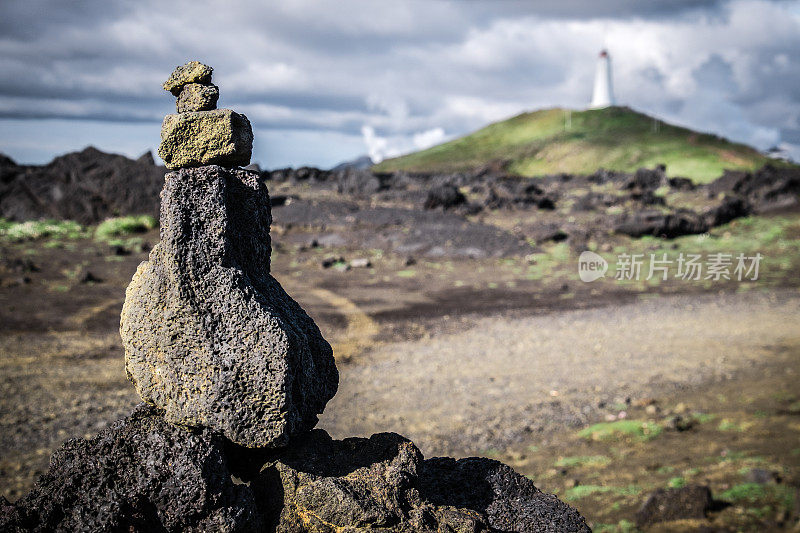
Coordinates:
(507, 500)
(665, 505)
(86, 187)
(659, 224)
(140, 474)
(210, 336)
(143, 474)
(768, 189)
(197, 97)
(445, 196)
(322, 485)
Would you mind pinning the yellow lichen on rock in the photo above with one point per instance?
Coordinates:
(191, 72)
(219, 137)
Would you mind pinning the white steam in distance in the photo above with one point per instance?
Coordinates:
(380, 148)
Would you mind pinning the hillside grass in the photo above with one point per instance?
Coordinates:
(615, 138)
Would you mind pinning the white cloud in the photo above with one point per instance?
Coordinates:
(428, 138)
(258, 77)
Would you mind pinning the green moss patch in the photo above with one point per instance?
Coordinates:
(582, 460)
(121, 226)
(637, 429)
(755, 493)
(39, 229)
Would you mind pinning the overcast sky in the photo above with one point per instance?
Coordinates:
(325, 81)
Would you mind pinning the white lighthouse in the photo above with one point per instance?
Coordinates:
(603, 95)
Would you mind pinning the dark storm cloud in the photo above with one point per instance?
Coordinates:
(406, 73)
(27, 20)
(583, 9)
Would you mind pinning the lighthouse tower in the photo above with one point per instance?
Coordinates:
(603, 95)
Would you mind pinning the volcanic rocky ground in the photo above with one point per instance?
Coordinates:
(454, 323)
(483, 213)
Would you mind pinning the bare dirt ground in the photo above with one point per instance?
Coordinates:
(478, 356)
(501, 381)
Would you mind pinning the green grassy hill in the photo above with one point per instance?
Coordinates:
(615, 138)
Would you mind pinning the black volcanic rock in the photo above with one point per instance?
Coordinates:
(445, 196)
(87, 186)
(143, 474)
(767, 189)
(210, 336)
(140, 474)
(664, 505)
(361, 484)
(648, 179)
(197, 97)
(146, 158)
(357, 182)
(506, 500)
(658, 224)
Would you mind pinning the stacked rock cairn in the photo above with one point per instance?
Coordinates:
(234, 374)
(210, 337)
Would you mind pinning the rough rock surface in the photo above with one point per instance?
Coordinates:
(86, 186)
(209, 335)
(767, 189)
(320, 485)
(664, 505)
(218, 137)
(140, 474)
(509, 501)
(191, 72)
(197, 97)
(444, 196)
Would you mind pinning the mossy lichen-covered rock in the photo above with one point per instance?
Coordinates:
(191, 72)
(140, 474)
(219, 137)
(210, 337)
(197, 97)
(318, 484)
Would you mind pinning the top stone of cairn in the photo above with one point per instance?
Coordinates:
(200, 134)
(191, 72)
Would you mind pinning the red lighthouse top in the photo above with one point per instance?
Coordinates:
(603, 53)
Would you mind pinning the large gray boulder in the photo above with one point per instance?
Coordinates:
(210, 336)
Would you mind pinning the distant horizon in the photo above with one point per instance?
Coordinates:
(132, 153)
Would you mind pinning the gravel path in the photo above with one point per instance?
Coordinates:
(503, 379)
